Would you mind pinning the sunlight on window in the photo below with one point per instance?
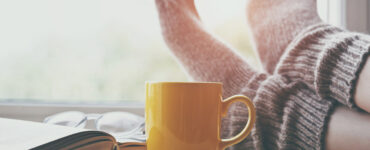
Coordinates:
(332, 11)
(322, 10)
(96, 51)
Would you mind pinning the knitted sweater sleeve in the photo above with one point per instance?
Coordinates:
(204, 57)
(329, 59)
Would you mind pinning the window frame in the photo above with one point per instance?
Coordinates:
(357, 15)
(348, 14)
(38, 112)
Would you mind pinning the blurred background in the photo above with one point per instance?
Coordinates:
(95, 50)
(104, 50)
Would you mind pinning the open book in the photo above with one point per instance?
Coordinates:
(18, 134)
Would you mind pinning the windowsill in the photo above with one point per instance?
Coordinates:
(37, 112)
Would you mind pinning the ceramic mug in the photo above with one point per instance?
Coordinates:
(187, 116)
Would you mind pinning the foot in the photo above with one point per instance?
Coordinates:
(274, 23)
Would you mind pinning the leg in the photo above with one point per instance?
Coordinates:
(362, 94)
(348, 129)
(204, 57)
(274, 24)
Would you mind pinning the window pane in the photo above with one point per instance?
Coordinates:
(322, 9)
(332, 12)
(96, 50)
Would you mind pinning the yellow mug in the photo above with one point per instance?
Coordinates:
(187, 116)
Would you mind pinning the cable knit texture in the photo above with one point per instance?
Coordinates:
(317, 70)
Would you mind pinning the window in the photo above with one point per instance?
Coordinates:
(102, 52)
(95, 51)
(353, 15)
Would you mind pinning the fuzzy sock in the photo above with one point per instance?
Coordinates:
(274, 24)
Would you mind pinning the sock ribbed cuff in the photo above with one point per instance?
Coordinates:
(338, 69)
(288, 116)
(328, 60)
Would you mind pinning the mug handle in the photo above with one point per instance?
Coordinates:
(248, 127)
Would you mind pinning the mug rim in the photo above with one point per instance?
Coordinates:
(180, 82)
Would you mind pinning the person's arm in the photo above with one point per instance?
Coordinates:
(348, 129)
(204, 57)
(362, 93)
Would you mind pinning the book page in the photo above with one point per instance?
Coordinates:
(18, 134)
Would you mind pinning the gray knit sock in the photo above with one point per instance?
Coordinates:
(274, 23)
